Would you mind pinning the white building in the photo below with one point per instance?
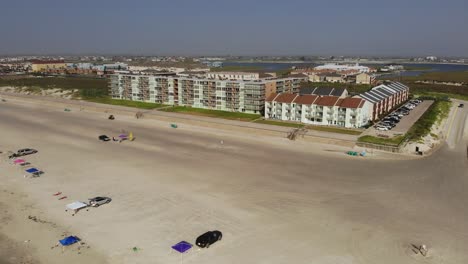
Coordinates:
(343, 67)
(319, 110)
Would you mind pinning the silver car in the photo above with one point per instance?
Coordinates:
(98, 201)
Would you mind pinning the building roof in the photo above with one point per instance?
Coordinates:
(271, 97)
(384, 91)
(337, 91)
(322, 91)
(327, 100)
(285, 98)
(306, 99)
(352, 102)
(307, 90)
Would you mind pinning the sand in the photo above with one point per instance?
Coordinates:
(276, 201)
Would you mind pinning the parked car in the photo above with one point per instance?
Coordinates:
(382, 128)
(104, 138)
(395, 117)
(208, 238)
(387, 123)
(24, 152)
(98, 201)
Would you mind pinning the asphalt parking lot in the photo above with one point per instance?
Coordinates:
(405, 123)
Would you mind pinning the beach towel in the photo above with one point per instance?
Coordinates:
(69, 240)
(182, 246)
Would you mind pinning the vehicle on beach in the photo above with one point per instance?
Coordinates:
(208, 238)
(98, 201)
(461, 105)
(104, 138)
(23, 152)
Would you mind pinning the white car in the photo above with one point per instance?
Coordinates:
(382, 128)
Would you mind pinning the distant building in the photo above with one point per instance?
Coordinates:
(47, 65)
(335, 78)
(344, 67)
(245, 76)
(365, 78)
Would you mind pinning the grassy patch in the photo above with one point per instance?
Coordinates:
(335, 130)
(212, 113)
(279, 123)
(89, 87)
(435, 114)
(440, 76)
(136, 104)
(443, 96)
(394, 141)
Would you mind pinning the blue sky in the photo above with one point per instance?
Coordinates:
(218, 27)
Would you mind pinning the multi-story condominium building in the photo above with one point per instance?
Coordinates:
(227, 95)
(385, 97)
(331, 106)
(319, 110)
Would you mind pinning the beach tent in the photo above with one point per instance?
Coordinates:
(182, 246)
(69, 240)
(76, 206)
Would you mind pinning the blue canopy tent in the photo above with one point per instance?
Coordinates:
(69, 240)
(182, 246)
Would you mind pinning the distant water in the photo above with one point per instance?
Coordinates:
(276, 66)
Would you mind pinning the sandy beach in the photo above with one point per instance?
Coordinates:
(275, 200)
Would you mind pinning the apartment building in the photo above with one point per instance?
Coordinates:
(319, 110)
(210, 93)
(385, 97)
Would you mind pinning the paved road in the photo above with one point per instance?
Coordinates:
(275, 204)
(457, 124)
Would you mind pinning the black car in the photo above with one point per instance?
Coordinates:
(461, 105)
(208, 238)
(104, 138)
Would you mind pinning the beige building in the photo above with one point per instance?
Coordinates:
(364, 78)
(335, 78)
(41, 66)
